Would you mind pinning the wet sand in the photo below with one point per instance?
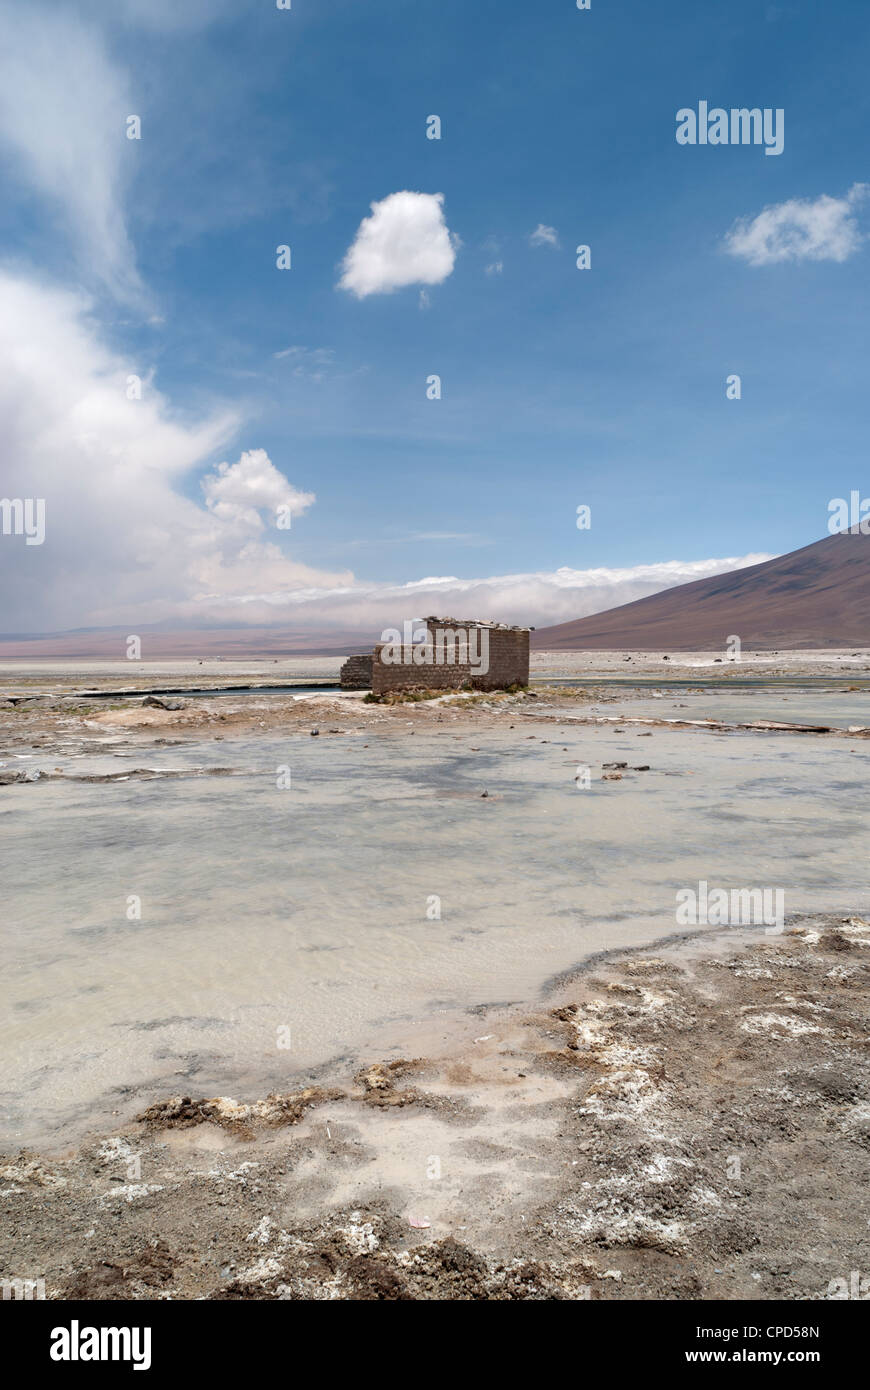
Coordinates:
(687, 1123)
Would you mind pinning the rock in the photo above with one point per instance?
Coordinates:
(379, 1083)
(375, 1078)
(644, 767)
(315, 733)
(181, 1112)
(613, 767)
(156, 703)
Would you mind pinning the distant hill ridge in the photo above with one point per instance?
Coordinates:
(818, 596)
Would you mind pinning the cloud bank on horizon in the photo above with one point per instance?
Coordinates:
(535, 600)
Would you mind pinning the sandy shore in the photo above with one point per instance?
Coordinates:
(686, 1120)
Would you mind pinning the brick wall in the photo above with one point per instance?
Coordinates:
(508, 665)
(356, 673)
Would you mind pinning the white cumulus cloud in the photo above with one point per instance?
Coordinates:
(124, 542)
(801, 229)
(239, 492)
(406, 241)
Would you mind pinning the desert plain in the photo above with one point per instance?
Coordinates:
(312, 997)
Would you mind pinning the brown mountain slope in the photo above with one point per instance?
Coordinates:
(815, 597)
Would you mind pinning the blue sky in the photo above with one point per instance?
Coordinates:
(263, 127)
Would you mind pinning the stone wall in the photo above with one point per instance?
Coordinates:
(356, 673)
(508, 664)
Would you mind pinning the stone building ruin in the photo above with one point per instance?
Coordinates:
(442, 654)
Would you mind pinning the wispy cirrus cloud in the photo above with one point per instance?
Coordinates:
(801, 229)
(162, 15)
(63, 109)
(544, 236)
(311, 364)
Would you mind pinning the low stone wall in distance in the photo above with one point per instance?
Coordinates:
(356, 673)
(508, 664)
